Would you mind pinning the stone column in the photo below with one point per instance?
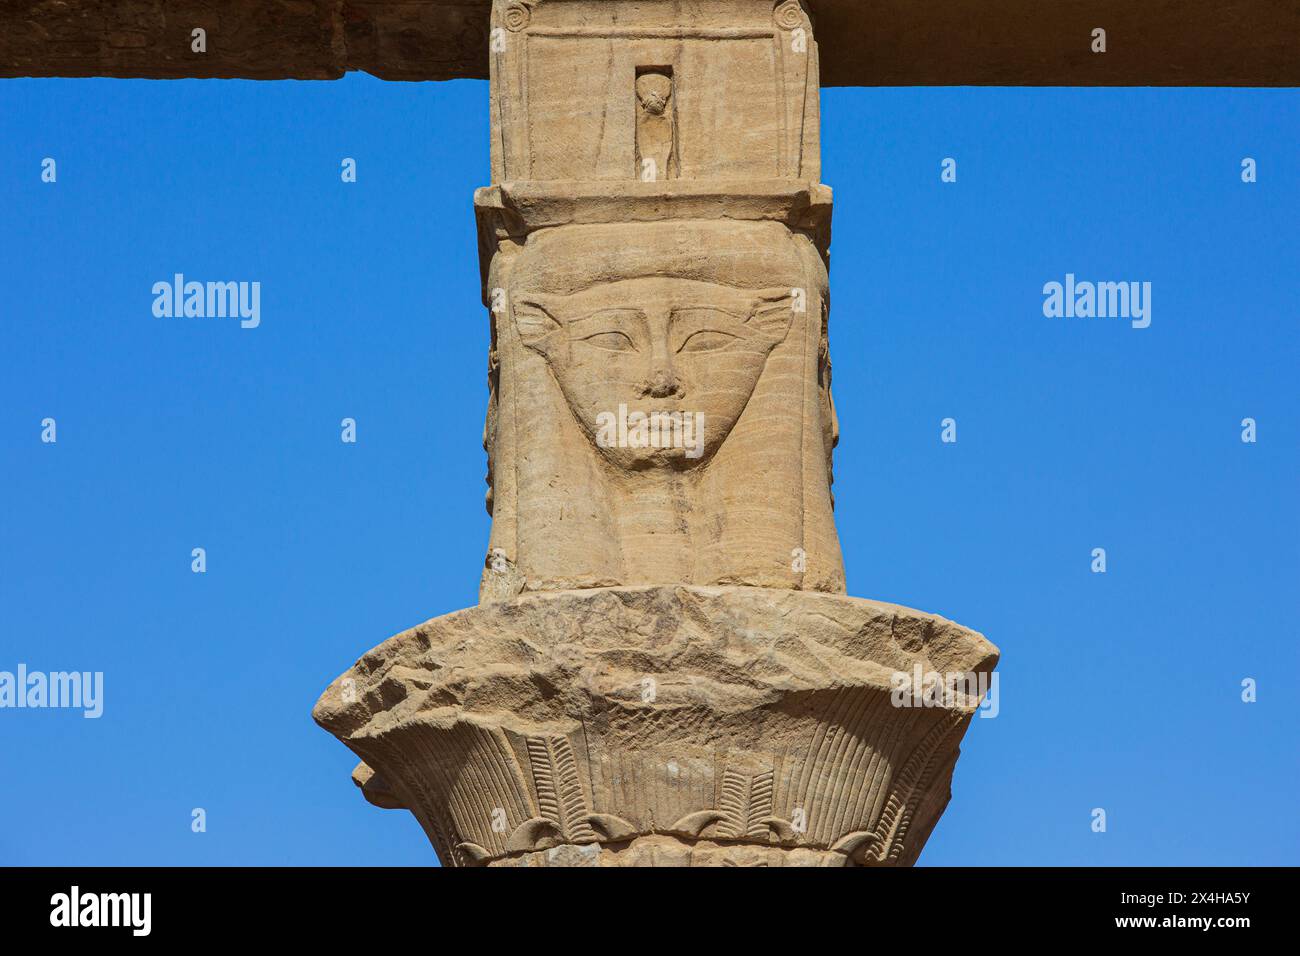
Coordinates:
(663, 668)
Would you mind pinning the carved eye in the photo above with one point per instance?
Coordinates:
(611, 341)
(706, 340)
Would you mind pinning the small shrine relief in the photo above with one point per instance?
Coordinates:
(656, 124)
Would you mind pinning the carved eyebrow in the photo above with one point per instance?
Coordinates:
(741, 304)
(537, 313)
(772, 296)
(587, 315)
(532, 300)
(739, 314)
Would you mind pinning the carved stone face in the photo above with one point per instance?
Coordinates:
(667, 348)
(653, 91)
(675, 319)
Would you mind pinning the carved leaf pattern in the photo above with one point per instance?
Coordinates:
(891, 829)
(560, 798)
(745, 804)
(760, 806)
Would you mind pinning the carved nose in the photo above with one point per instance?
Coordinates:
(663, 384)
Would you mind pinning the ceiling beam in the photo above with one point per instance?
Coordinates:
(862, 42)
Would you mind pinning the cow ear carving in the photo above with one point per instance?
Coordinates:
(773, 312)
(535, 319)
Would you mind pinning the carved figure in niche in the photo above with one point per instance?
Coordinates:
(656, 134)
(714, 322)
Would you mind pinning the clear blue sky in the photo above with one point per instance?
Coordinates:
(1119, 691)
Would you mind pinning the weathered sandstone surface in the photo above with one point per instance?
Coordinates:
(661, 726)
